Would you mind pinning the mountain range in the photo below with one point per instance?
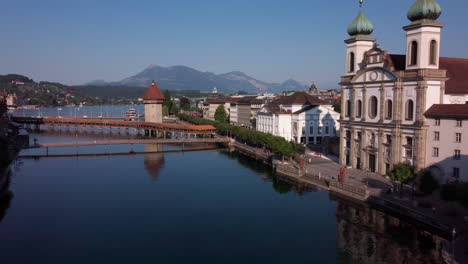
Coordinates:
(186, 78)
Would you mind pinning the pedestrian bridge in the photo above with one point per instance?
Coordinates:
(134, 141)
(150, 128)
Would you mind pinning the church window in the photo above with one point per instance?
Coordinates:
(409, 110)
(373, 106)
(389, 109)
(359, 109)
(433, 53)
(414, 53)
(351, 62)
(348, 108)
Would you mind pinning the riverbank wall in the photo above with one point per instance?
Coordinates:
(292, 172)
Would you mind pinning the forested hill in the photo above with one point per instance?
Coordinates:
(47, 93)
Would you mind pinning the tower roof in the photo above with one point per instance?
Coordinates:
(153, 92)
(360, 26)
(424, 11)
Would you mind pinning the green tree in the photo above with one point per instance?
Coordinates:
(173, 108)
(220, 114)
(401, 173)
(167, 99)
(165, 110)
(185, 103)
(426, 182)
(337, 107)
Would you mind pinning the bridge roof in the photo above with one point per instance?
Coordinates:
(203, 129)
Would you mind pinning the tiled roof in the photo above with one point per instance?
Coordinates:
(304, 109)
(153, 92)
(448, 111)
(223, 100)
(457, 72)
(299, 98)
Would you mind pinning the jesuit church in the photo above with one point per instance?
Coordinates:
(386, 97)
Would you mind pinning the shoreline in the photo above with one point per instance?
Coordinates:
(292, 172)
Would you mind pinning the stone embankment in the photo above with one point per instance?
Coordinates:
(361, 186)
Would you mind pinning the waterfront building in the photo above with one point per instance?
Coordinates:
(212, 104)
(153, 100)
(244, 111)
(300, 117)
(447, 141)
(385, 96)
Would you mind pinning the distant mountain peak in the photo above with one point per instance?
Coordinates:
(152, 66)
(180, 77)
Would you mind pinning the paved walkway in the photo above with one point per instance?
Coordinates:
(449, 213)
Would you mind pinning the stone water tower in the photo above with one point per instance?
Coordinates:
(153, 100)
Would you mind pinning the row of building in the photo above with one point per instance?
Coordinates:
(396, 108)
(301, 117)
(409, 108)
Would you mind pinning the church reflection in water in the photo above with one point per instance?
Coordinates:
(153, 161)
(366, 235)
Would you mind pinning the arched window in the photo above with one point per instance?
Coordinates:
(351, 62)
(348, 108)
(373, 106)
(409, 110)
(359, 109)
(389, 109)
(414, 53)
(433, 53)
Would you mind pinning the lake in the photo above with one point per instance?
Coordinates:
(188, 207)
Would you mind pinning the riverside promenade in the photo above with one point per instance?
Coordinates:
(374, 189)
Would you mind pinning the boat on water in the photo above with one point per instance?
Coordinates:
(131, 115)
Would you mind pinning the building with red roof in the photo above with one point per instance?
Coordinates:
(153, 100)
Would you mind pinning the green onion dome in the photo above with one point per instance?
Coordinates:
(424, 11)
(361, 26)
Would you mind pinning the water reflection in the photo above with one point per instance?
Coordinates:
(366, 235)
(5, 194)
(154, 162)
(280, 184)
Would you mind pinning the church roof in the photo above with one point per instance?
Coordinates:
(458, 111)
(360, 26)
(423, 11)
(153, 92)
(457, 72)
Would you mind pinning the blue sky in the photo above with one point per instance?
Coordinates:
(73, 41)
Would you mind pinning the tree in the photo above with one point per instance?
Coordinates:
(426, 182)
(337, 107)
(167, 99)
(173, 108)
(401, 173)
(165, 110)
(220, 114)
(185, 103)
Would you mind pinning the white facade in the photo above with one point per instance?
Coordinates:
(301, 124)
(447, 149)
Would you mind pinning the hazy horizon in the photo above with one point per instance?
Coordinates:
(78, 42)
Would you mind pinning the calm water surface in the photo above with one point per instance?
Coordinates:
(191, 207)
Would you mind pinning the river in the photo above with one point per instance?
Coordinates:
(188, 207)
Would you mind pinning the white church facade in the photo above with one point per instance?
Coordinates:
(385, 96)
